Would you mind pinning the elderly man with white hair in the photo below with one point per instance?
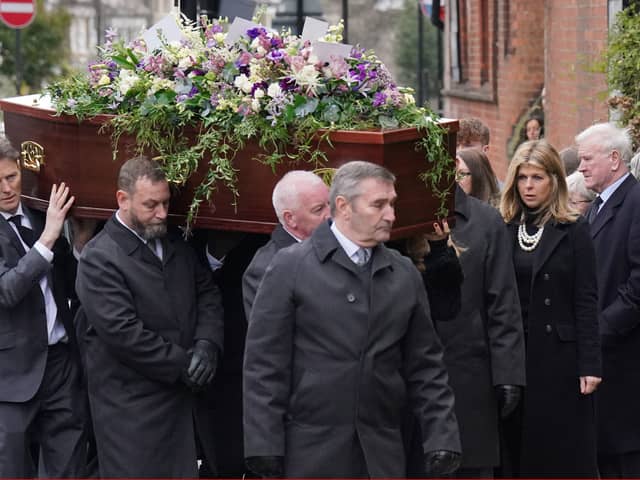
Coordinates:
(301, 202)
(605, 151)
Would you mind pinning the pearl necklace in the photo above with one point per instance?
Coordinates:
(527, 242)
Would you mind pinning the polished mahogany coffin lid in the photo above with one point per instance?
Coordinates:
(81, 154)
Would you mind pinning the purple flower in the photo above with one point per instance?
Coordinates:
(71, 102)
(257, 85)
(379, 98)
(275, 55)
(287, 84)
(193, 92)
(256, 32)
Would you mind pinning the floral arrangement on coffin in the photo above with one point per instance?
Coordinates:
(265, 85)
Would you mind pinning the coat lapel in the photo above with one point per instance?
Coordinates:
(551, 236)
(611, 206)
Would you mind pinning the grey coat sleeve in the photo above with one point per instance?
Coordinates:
(267, 361)
(504, 320)
(110, 309)
(427, 379)
(16, 282)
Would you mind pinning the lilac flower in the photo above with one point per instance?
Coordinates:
(110, 35)
(214, 100)
(71, 102)
(379, 98)
(275, 55)
(193, 92)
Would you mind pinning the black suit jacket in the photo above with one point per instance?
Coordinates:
(23, 323)
(616, 237)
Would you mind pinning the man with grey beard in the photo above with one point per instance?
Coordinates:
(155, 332)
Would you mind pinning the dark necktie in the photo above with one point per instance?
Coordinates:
(26, 233)
(593, 211)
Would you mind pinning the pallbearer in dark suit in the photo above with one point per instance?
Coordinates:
(556, 277)
(41, 399)
(605, 152)
(340, 342)
(155, 332)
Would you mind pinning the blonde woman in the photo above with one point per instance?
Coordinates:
(554, 433)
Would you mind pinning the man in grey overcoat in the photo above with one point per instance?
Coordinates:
(301, 202)
(340, 342)
(155, 330)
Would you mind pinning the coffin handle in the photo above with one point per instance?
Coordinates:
(32, 156)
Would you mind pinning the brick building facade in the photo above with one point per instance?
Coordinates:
(499, 54)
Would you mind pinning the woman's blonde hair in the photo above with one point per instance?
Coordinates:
(538, 153)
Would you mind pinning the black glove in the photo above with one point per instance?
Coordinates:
(508, 398)
(441, 462)
(203, 362)
(266, 467)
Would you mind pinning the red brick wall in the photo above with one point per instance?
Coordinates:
(575, 97)
(575, 33)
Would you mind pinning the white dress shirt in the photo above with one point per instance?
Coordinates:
(350, 248)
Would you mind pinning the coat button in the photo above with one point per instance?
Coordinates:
(546, 276)
(547, 328)
(547, 301)
(351, 297)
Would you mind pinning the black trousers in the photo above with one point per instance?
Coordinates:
(54, 420)
(624, 465)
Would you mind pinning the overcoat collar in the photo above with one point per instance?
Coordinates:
(281, 237)
(133, 246)
(327, 247)
(461, 203)
(611, 206)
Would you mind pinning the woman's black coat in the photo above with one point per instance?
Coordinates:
(559, 429)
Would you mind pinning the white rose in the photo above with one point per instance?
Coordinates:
(243, 83)
(259, 93)
(255, 105)
(274, 90)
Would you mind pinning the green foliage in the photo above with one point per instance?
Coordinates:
(622, 62)
(43, 46)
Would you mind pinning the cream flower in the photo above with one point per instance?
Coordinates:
(274, 90)
(243, 83)
(127, 79)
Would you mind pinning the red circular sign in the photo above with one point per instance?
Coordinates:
(17, 13)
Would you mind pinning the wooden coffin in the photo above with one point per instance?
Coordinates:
(80, 155)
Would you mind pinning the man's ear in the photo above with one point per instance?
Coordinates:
(615, 160)
(485, 149)
(123, 199)
(343, 208)
(287, 216)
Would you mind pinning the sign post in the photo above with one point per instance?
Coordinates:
(17, 14)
